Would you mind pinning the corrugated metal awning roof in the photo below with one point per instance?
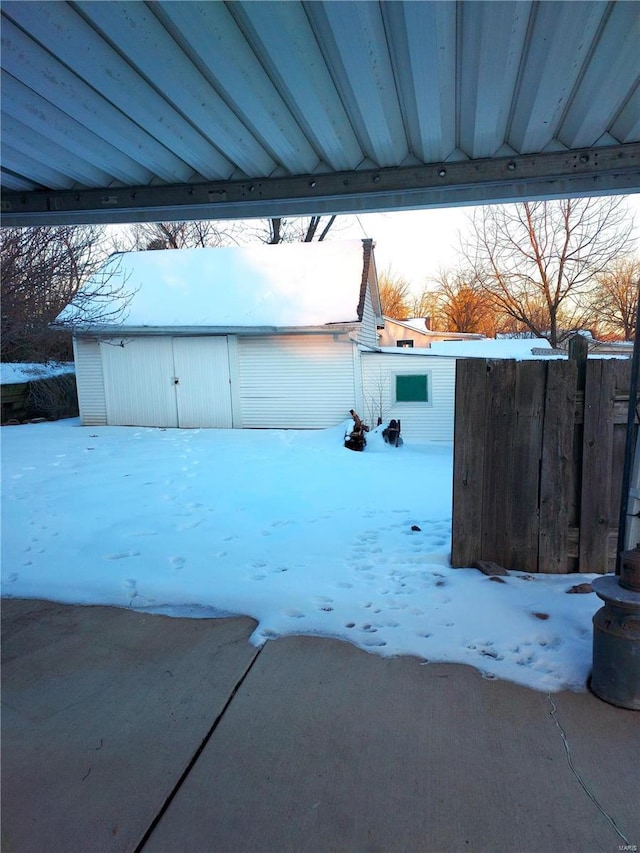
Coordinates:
(122, 111)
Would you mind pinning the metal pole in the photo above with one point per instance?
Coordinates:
(628, 449)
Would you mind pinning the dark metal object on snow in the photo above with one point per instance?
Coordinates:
(356, 439)
(616, 635)
(391, 433)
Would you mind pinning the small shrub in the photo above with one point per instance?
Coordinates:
(54, 397)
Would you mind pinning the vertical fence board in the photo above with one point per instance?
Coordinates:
(622, 371)
(499, 475)
(468, 461)
(597, 451)
(525, 464)
(557, 470)
(537, 475)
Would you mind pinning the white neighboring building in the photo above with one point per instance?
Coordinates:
(417, 385)
(259, 336)
(415, 332)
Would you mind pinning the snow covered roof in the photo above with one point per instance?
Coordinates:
(487, 348)
(288, 284)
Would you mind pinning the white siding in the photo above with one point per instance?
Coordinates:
(421, 422)
(368, 327)
(139, 382)
(90, 382)
(296, 381)
(203, 383)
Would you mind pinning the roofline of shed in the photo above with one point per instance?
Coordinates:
(203, 331)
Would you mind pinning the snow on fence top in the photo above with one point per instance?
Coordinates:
(288, 284)
(505, 348)
(15, 374)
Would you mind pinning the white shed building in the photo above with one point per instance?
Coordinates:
(283, 336)
(260, 336)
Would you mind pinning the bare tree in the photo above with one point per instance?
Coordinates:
(299, 230)
(463, 304)
(616, 298)
(44, 269)
(427, 306)
(208, 233)
(173, 235)
(539, 260)
(395, 295)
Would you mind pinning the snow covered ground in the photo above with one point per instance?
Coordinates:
(285, 526)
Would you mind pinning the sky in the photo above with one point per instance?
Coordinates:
(417, 244)
(287, 527)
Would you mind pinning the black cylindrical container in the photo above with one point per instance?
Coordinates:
(616, 644)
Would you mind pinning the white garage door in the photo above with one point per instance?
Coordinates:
(203, 385)
(167, 382)
(138, 382)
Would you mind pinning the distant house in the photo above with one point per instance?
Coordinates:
(415, 332)
(259, 336)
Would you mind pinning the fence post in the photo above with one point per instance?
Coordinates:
(468, 460)
(578, 351)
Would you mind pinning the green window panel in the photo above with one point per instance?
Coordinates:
(412, 389)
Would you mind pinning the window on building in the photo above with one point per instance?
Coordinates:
(405, 344)
(412, 389)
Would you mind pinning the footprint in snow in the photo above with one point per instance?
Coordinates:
(294, 614)
(177, 562)
(121, 555)
(268, 634)
(190, 525)
(130, 586)
(485, 648)
(552, 643)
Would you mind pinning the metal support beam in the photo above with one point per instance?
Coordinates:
(593, 171)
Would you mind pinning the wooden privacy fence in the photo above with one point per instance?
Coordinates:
(538, 459)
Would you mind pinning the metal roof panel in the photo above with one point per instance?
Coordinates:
(244, 108)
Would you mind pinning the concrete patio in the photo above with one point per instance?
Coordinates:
(128, 732)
